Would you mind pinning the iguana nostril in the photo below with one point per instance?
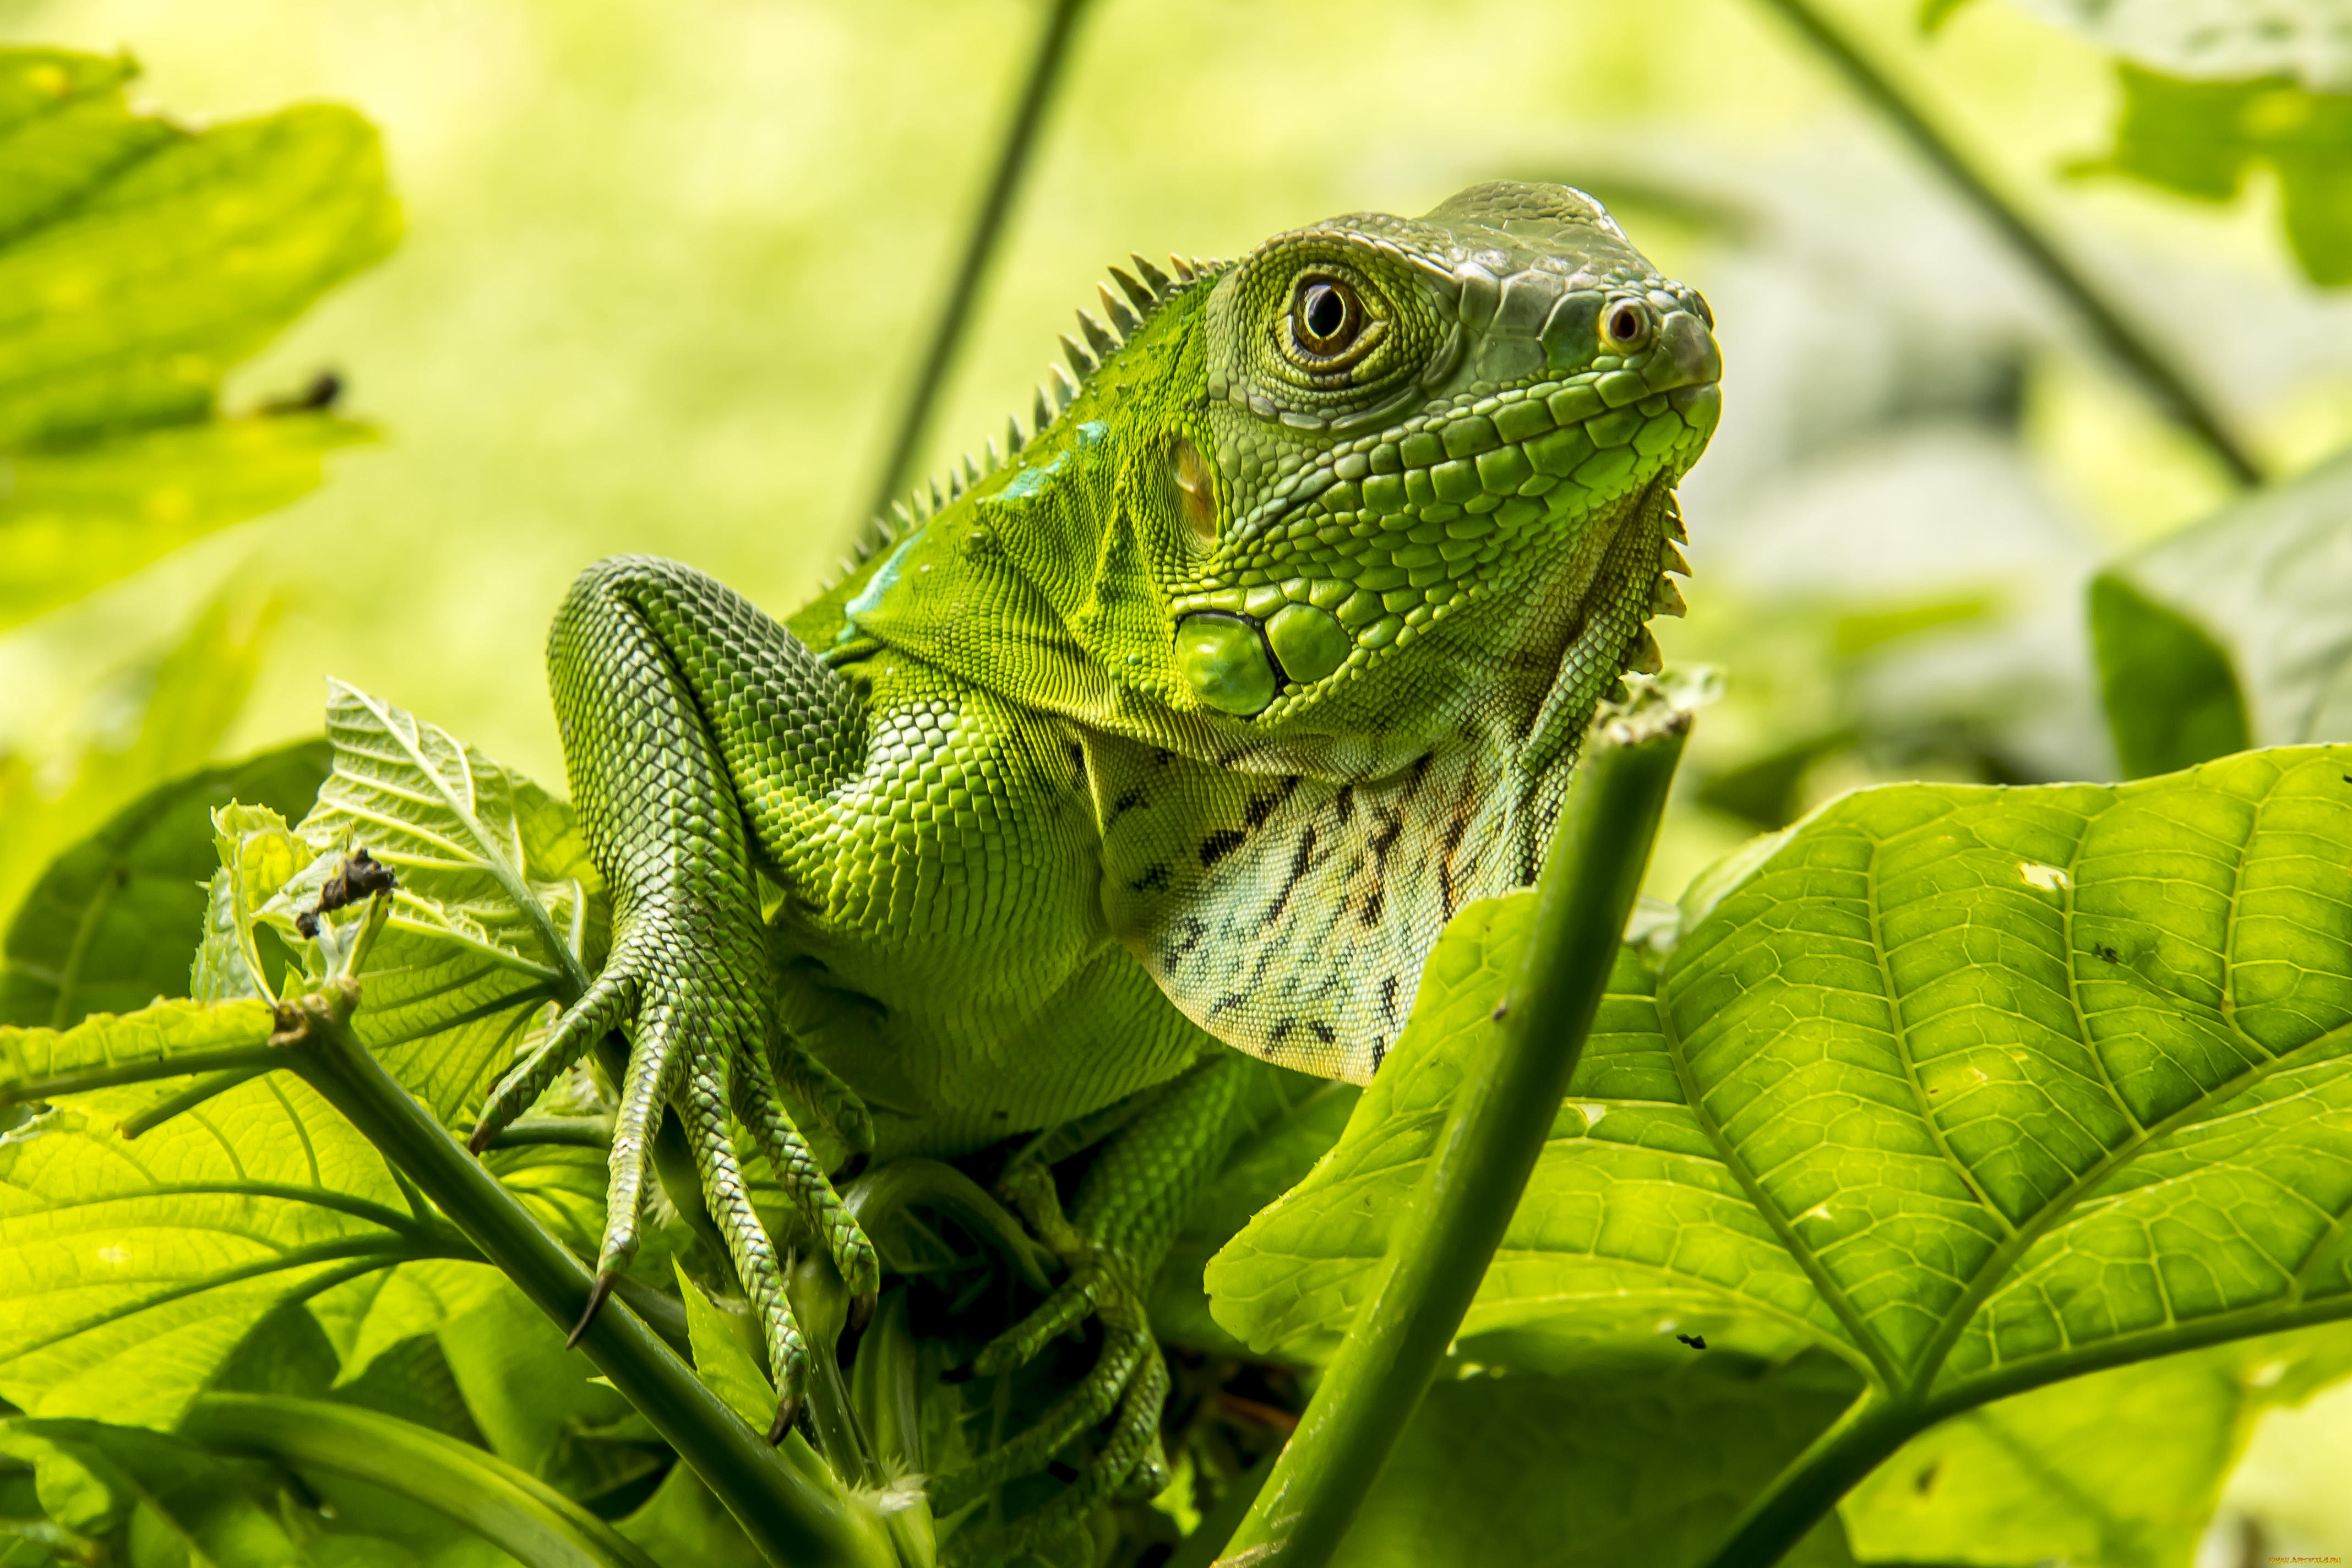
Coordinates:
(1690, 349)
(1224, 659)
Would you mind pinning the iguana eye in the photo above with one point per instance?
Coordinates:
(1325, 317)
(1624, 327)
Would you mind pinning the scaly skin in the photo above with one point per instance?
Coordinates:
(1193, 722)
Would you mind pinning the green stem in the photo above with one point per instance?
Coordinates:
(205, 1088)
(1501, 1118)
(510, 1508)
(1855, 1444)
(228, 1058)
(987, 228)
(2165, 383)
(789, 1515)
(561, 1131)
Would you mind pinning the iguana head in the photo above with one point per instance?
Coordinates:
(1418, 452)
(1381, 479)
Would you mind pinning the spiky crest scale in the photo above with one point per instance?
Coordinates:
(1148, 287)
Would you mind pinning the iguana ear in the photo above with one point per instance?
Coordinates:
(1290, 917)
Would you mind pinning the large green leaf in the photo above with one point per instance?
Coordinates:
(2201, 138)
(138, 261)
(2269, 580)
(191, 695)
(2211, 39)
(189, 1035)
(1598, 1468)
(533, 1522)
(683, 1526)
(215, 1513)
(535, 1401)
(130, 1269)
(107, 927)
(498, 912)
(2170, 691)
(1295, 1121)
(1977, 1088)
(2119, 1469)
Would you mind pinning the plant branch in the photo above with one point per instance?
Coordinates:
(1467, 1194)
(2165, 383)
(979, 244)
(796, 1515)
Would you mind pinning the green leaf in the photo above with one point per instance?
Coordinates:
(2171, 697)
(188, 1036)
(722, 1359)
(1630, 1226)
(534, 1400)
(498, 913)
(683, 1526)
(1977, 1088)
(2208, 39)
(74, 521)
(1296, 1120)
(2269, 579)
(365, 1317)
(2200, 139)
(130, 1271)
(1595, 1469)
(138, 261)
(208, 1508)
(191, 697)
(514, 1510)
(2119, 1469)
(105, 929)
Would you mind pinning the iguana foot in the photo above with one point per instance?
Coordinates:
(702, 1050)
(1129, 1377)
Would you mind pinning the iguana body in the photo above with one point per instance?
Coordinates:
(1193, 722)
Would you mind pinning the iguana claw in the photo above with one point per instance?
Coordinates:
(606, 1280)
(701, 1051)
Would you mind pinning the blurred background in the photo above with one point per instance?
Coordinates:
(669, 270)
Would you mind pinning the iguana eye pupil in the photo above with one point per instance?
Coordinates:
(1329, 317)
(1626, 326)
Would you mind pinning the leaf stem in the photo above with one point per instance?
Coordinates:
(794, 1519)
(509, 1508)
(205, 1088)
(979, 244)
(1855, 1444)
(2165, 383)
(558, 1131)
(1467, 1194)
(254, 1058)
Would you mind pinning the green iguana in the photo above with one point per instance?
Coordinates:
(1190, 720)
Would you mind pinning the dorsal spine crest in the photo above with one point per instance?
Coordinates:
(1146, 290)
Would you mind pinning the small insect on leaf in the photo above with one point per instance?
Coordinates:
(362, 876)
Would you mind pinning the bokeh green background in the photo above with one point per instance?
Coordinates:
(668, 267)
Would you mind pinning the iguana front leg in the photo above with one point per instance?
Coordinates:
(1131, 1204)
(695, 730)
